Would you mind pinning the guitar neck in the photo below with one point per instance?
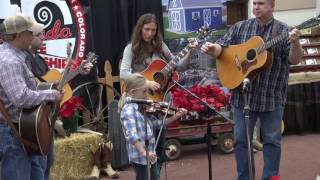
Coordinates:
(174, 62)
(307, 24)
(73, 74)
(65, 74)
(272, 42)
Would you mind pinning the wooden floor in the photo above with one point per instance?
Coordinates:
(300, 160)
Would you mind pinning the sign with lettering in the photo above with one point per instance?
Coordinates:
(64, 23)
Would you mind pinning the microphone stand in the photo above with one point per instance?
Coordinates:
(163, 124)
(209, 132)
(162, 128)
(247, 122)
(146, 143)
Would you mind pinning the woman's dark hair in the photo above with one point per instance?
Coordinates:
(141, 49)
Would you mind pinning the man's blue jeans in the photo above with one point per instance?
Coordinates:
(40, 165)
(15, 163)
(271, 135)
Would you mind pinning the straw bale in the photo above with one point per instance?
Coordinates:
(73, 156)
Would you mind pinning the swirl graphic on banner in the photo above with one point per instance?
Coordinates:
(45, 16)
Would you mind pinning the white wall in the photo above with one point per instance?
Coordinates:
(291, 17)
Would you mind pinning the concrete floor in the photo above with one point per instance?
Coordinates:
(300, 161)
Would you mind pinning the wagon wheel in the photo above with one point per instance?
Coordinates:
(172, 149)
(225, 143)
(95, 109)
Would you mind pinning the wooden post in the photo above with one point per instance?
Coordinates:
(109, 81)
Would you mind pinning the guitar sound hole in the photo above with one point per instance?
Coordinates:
(158, 77)
(251, 55)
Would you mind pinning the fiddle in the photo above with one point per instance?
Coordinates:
(162, 108)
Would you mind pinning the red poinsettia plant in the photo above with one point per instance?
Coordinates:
(211, 94)
(68, 108)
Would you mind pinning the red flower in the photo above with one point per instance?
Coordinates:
(68, 108)
(211, 94)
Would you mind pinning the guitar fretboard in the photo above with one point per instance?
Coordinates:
(174, 62)
(307, 24)
(272, 42)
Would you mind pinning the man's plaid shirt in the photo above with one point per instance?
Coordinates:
(134, 130)
(17, 85)
(268, 90)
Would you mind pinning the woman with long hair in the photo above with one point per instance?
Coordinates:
(146, 46)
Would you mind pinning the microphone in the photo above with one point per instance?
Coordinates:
(139, 101)
(245, 84)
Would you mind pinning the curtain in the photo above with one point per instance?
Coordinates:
(302, 111)
(112, 25)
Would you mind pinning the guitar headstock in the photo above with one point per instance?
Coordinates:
(315, 21)
(68, 49)
(204, 32)
(91, 57)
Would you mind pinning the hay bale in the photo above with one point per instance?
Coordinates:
(73, 156)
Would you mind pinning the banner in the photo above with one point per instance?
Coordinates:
(64, 23)
(182, 19)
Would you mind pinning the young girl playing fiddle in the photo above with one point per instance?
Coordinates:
(133, 120)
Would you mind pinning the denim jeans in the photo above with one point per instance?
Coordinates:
(271, 135)
(15, 164)
(40, 165)
(141, 172)
(50, 161)
(160, 151)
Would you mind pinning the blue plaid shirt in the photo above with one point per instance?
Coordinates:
(18, 85)
(134, 130)
(268, 90)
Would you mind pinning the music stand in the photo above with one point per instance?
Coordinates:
(146, 143)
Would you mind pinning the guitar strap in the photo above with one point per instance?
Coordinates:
(8, 120)
(275, 28)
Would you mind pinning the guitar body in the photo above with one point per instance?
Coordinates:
(53, 76)
(153, 73)
(237, 62)
(36, 126)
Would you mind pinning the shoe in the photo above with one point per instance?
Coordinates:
(106, 155)
(95, 173)
(96, 156)
(254, 150)
(257, 145)
(110, 172)
(275, 178)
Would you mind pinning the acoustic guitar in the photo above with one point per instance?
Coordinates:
(53, 76)
(162, 72)
(237, 62)
(37, 124)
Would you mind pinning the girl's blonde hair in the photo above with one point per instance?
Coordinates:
(134, 81)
